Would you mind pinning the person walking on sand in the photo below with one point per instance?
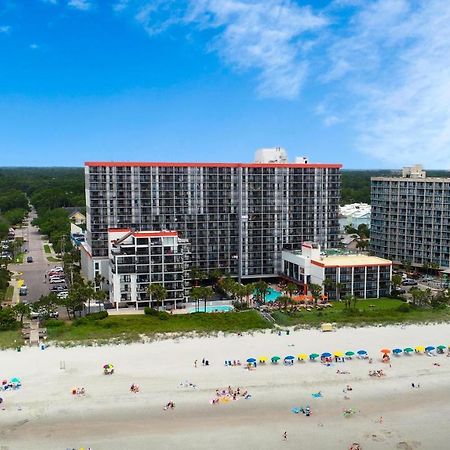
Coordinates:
(195, 363)
(285, 436)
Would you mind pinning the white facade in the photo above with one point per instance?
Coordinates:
(138, 259)
(354, 214)
(359, 275)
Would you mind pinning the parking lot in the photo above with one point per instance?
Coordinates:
(33, 274)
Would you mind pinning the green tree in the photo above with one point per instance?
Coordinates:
(158, 292)
(248, 290)
(8, 319)
(197, 275)
(328, 285)
(316, 292)
(261, 290)
(21, 310)
(284, 301)
(417, 295)
(396, 281)
(207, 294)
(46, 305)
(340, 288)
(197, 295)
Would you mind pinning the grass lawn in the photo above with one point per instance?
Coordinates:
(19, 258)
(47, 248)
(368, 311)
(9, 293)
(52, 259)
(10, 339)
(130, 327)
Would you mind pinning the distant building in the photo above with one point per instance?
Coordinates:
(354, 214)
(360, 275)
(348, 241)
(411, 218)
(140, 258)
(76, 216)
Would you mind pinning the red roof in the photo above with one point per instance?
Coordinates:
(226, 165)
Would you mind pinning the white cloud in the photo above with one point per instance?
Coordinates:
(5, 29)
(397, 71)
(120, 5)
(52, 2)
(81, 5)
(267, 35)
(34, 46)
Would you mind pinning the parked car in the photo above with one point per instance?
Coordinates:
(23, 290)
(409, 282)
(41, 314)
(108, 305)
(58, 288)
(62, 294)
(29, 259)
(427, 278)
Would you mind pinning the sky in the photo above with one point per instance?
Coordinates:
(365, 83)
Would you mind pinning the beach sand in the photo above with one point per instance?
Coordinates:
(44, 414)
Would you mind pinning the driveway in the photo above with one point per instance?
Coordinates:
(33, 273)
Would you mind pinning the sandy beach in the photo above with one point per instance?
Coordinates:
(43, 413)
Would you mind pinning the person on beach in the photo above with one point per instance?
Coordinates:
(195, 363)
(285, 436)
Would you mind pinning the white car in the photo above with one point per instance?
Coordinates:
(57, 280)
(63, 294)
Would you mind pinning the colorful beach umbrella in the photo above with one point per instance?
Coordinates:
(289, 357)
(251, 360)
(408, 350)
(326, 355)
(385, 351)
(263, 358)
(430, 348)
(15, 380)
(361, 352)
(302, 356)
(420, 348)
(397, 351)
(275, 358)
(441, 347)
(349, 353)
(338, 354)
(314, 355)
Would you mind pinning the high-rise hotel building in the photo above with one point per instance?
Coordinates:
(237, 217)
(411, 218)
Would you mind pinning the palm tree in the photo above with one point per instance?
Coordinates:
(197, 295)
(207, 294)
(284, 301)
(248, 290)
(158, 292)
(316, 291)
(290, 289)
(262, 289)
(89, 292)
(327, 284)
(215, 275)
(339, 289)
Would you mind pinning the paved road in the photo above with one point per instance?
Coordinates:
(33, 273)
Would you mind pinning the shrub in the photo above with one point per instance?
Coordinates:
(404, 308)
(163, 315)
(97, 315)
(240, 306)
(151, 312)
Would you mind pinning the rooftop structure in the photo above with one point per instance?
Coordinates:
(354, 214)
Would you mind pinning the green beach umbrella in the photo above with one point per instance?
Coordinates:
(441, 347)
(275, 358)
(314, 355)
(349, 353)
(408, 350)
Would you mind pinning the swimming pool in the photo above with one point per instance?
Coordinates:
(272, 295)
(214, 308)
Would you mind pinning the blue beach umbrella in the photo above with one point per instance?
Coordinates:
(251, 360)
(289, 357)
(430, 348)
(397, 351)
(361, 352)
(326, 355)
